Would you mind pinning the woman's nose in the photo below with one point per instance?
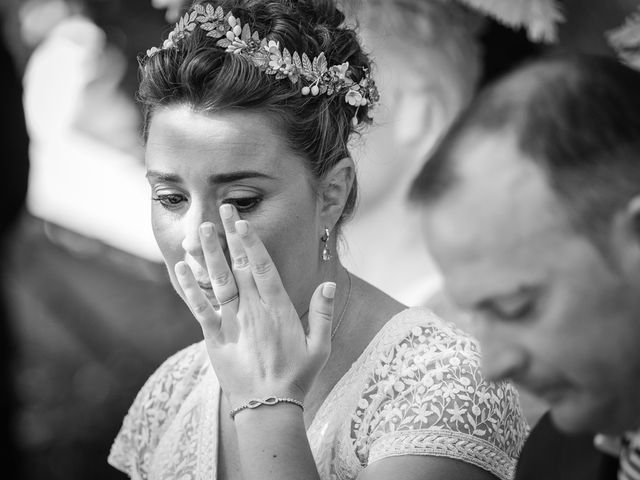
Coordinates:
(191, 241)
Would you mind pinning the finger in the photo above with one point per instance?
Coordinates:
(197, 302)
(239, 259)
(265, 275)
(320, 318)
(222, 280)
(229, 216)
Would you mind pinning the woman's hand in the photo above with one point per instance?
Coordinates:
(254, 337)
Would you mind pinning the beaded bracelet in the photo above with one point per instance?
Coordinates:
(269, 401)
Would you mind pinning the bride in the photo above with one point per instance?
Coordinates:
(305, 371)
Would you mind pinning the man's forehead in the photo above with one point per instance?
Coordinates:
(499, 195)
(500, 220)
(499, 274)
(491, 154)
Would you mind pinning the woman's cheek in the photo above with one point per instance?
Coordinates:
(169, 240)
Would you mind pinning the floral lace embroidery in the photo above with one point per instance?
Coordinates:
(431, 381)
(416, 389)
(183, 447)
(153, 411)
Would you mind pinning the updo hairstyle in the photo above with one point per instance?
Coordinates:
(202, 75)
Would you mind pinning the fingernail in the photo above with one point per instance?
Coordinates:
(329, 290)
(206, 229)
(181, 268)
(226, 211)
(242, 227)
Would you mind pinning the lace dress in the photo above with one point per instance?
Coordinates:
(415, 390)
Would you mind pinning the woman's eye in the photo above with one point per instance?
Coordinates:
(245, 204)
(169, 201)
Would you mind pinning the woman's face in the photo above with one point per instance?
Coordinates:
(198, 161)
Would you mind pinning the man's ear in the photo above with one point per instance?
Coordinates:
(335, 189)
(625, 239)
(421, 116)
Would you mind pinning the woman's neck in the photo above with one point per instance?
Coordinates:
(333, 272)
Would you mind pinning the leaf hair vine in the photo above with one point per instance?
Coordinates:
(314, 77)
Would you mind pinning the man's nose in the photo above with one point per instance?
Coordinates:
(502, 357)
(503, 363)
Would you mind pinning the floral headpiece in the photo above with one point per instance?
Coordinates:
(314, 77)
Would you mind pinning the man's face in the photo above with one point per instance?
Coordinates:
(549, 311)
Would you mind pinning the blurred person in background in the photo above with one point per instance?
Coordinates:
(428, 62)
(531, 210)
(241, 126)
(72, 57)
(432, 56)
(82, 122)
(173, 8)
(82, 126)
(606, 28)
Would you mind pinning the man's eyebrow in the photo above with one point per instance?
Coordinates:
(215, 178)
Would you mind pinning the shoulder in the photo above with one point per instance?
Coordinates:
(155, 406)
(173, 379)
(417, 329)
(425, 395)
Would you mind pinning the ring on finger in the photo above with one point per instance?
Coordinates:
(235, 297)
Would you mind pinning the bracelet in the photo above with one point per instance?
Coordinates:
(269, 401)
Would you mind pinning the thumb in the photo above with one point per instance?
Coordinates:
(320, 317)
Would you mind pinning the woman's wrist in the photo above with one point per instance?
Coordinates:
(275, 390)
(279, 413)
(265, 402)
(274, 443)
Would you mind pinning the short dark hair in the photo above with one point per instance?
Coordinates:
(576, 116)
(202, 75)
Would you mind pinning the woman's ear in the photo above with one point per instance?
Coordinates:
(335, 189)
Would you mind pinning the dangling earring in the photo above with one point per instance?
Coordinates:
(326, 251)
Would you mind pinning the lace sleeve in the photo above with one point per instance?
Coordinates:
(426, 396)
(152, 410)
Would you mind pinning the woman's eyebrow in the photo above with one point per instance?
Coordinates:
(165, 177)
(216, 178)
(239, 175)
